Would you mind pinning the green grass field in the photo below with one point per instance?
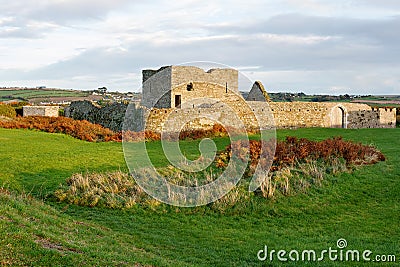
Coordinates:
(36, 93)
(361, 207)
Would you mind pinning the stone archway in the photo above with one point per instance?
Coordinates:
(338, 117)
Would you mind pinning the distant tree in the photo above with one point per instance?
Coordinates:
(102, 90)
(344, 97)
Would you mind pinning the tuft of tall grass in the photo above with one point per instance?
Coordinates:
(112, 190)
(299, 177)
(268, 186)
(238, 196)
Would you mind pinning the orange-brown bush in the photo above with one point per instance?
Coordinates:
(80, 129)
(83, 130)
(217, 130)
(294, 150)
(20, 104)
(132, 136)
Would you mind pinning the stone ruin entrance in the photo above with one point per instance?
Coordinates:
(338, 117)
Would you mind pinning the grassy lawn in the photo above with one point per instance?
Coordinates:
(361, 207)
(34, 93)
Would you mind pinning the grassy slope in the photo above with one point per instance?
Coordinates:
(362, 207)
(37, 161)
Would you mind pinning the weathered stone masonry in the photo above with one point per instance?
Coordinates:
(47, 111)
(285, 115)
(193, 94)
(195, 91)
(188, 83)
(110, 116)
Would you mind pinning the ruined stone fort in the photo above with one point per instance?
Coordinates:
(194, 92)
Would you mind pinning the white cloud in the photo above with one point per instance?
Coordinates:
(310, 45)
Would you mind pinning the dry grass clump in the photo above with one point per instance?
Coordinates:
(112, 190)
(238, 196)
(191, 177)
(119, 190)
(299, 177)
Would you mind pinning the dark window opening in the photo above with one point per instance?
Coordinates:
(178, 101)
(189, 87)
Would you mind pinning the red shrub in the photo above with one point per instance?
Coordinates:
(294, 150)
(83, 130)
(216, 131)
(132, 136)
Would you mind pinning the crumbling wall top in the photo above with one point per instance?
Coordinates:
(146, 74)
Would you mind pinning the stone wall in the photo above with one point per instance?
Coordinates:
(146, 74)
(351, 115)
(363, 119)
(258, 93)
(387, 117)
(189, 87)
(82, 110)
(111, 116)
(224, 77)
(398, 116)
(233, 111)
(280, 114)
(158, 84)
(202, 94)
(48, 111)
(253, 114)
(330, 114)
(156, 88)
(300, 114)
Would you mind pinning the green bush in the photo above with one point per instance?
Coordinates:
(19, 104)
(7, 111)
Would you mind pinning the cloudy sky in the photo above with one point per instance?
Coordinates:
(313, 46)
